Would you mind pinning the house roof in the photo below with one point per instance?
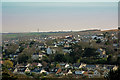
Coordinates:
(85, 72)
(34, 64)
(67, 48)
(79, 72)
(35, 53)
(91, 66)
(21, 69)
(58, 71)
(76, 64)
(39, 64)
(36, 70)
(41, 44)
(110, 67)
(62, 64)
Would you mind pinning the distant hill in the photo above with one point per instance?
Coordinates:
(90, 30)
(110, 30)
(59, 33)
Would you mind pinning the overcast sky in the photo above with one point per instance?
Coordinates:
(60, 0)
(57, 16)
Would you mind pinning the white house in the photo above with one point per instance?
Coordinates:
(82, 65)
(27, 65)
(96, 73)
(15, 71)
(39, 65)
(102, 53)
(67, 65)
(43, 71)
(27, 70)
(49, 51)
(69, 72)
(40, 56)
(35, 56)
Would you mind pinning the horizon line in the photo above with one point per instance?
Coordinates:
(59, 31)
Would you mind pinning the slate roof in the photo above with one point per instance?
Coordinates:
(91, 66)
(79, 72)
(36, 70)
(21, 69)
(76, 65)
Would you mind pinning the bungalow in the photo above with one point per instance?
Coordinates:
(112, 67)
(15, 55)
(91, 67)
(20, 70)
(43, 71)
(79, 65)
(67, 65)
(41, 45)
(27, 70)
(17, 50)
(69, 37)
(79, 72)
(15, 70)
(96, 73)
(85, 73)
(54, 70)
(118, 55)
(115, 45)
(67, 45)
(69, 72)
(40, 56)
(55, 46)
(34, 64)
(64, 72)
(90, 74)
(49, 51)
(76, 65)
(67, 49)
(102, 53)
(82, 65)
(58, 71)
(105, 73)
(27, 65)
(62, 65)
(39, 65)
(115, 67)
(35, 56)
(39, 70)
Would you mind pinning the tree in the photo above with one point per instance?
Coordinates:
(8, 64)
(118, 60)
(32, 42)
(68, 58)
(58, 65)
(22, 58)
(88, 52)
(114, 75)
(78, 61)
(111, 59)
(21, 48)
(107, 42)
(49, 42)
(45, 64)
(76, 53)
(7, 76)
(11, 49)
(98, 41)
(26, 55)
(59, 58)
